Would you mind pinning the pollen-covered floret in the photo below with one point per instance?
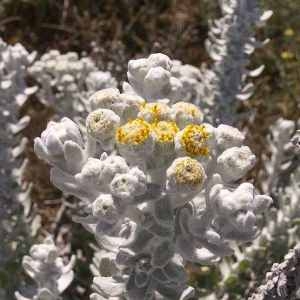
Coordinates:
(193, 140)
(134, 138)
(134, 132)
(184, 113)
(154, 112)
(107, 98)
(185, 175)
(164, 133)
(101, 124)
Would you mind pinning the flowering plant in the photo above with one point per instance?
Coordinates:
(160, 186)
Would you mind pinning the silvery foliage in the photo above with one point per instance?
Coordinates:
(51, 275)
(282, 282)
(13, 94)
(230, 42)
(282, 181)
(14, 59)
(284, 149)
(66, 80)
(161, 188)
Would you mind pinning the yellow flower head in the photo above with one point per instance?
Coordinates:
(187, 108)
(184, 113)
(154, 112)
(289, 32)
(194, 140)
(189, 171)
(164, 132)
(287, 55)
(134, 132)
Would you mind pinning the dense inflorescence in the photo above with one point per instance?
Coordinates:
(160, 187)
(65, 80)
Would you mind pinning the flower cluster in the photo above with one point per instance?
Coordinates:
(67, 79)
(13, 63)
(160, 187)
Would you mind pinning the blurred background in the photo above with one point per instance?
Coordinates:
(114, 31)
(124, 29)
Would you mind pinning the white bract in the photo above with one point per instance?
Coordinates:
(165, 192)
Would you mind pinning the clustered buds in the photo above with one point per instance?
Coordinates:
(67, 79)
(166, 190)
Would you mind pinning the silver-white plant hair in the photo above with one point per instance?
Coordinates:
(160, 187)
(283, 149)
(49, 272)
(281, 227)
(231, 40)
(282, 281)
(14, 59)
(13, 93)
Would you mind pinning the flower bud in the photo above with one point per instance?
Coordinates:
(154, 112)
(185, 175)
(235, 162)
(129, 185)
(108, 99)
(134, 139)
(228, 136)
(184, 113)
(104, 207)
(101, 124)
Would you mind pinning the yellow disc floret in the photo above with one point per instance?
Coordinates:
(189, 171)
(194, 140)
(154, 112)
(134, 132)
(187, 108)
(164, 132)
